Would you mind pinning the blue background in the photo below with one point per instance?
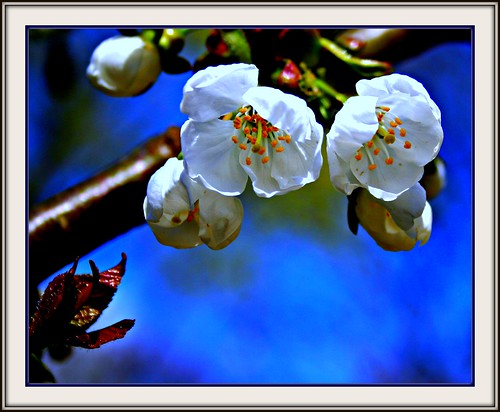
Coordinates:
(297, 298)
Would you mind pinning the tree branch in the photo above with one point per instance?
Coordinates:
(80, 219)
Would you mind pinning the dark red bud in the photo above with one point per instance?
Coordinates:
(290, 75)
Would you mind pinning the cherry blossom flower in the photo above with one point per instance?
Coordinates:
(379, 219)
(183, 214)
(238, 130)
(124, 66)
(382, 139)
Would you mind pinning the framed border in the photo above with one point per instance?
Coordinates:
(16, 16)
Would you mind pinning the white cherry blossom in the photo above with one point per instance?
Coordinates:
(238, 130)
(382, 139)
(183, 214)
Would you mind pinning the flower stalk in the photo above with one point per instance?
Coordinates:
(373, 67)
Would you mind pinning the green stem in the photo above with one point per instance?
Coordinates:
(328, 89)
(375, 67)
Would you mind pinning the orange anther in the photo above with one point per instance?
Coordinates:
(407, 145)
(393, 123)
(237, 123)
(372, 167)
(247, 117)
(262, 150)
(256, 148)
(376, 151)
(390, 131)
(248, 161)
(389, 161)
(243, 110)
(398, 121)
(234, 139)
(389, 139)
(243, 146)
(288, 138)
(402, 132)
(246, 130)
(280, 149)
(370, 144)
(358, 156)
(274, 143)
(385, 108)
(265, 159)
(227, 116)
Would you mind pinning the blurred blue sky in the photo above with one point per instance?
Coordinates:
(297, 298)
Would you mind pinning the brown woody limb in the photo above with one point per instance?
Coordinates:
(80, 219)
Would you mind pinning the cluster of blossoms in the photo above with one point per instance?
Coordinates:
(377, 147)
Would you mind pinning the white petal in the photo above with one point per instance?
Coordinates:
(354, 125)
(340, 174)
(393, 84)
(283, 110)
(215, 91)
(422, 129)
(423, 225)
(264, 185)
(407, 207)
(374, 218)
(386, 181)
(211, 157)
(180, 237)
(301, 161)
(298, 165)
(219, 220)
(166, 195)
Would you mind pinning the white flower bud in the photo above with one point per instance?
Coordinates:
(124, 66)
(380, 225)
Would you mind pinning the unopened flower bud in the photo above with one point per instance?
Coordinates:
(381, 226)
(290, 75)
(434, 179)
(124, 66)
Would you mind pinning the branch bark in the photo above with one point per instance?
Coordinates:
(80, 219)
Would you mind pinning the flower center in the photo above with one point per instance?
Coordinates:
(390, 129)
(256, 136)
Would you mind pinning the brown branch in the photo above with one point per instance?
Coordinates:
(78, 220)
